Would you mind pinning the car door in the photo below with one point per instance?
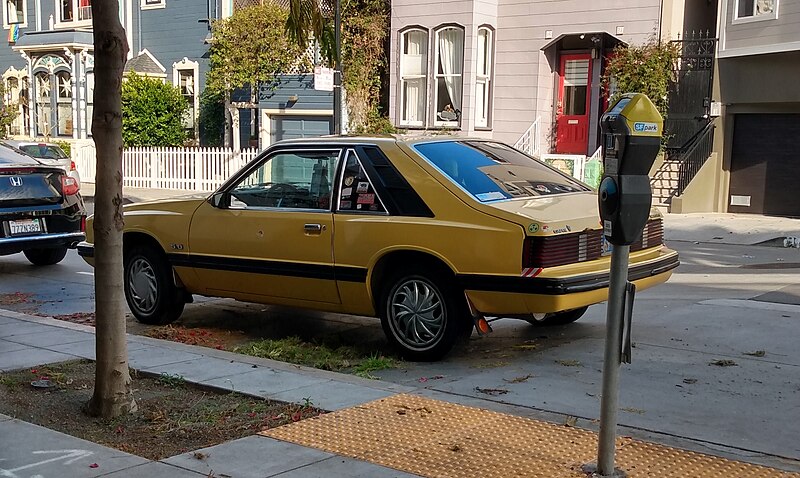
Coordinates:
(269, 233)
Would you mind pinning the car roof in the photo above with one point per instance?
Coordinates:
(377, 139)
(10, 156)
(17, 143)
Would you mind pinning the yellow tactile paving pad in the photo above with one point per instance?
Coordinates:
(440, 439)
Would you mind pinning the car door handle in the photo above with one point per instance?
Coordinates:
(314, 228)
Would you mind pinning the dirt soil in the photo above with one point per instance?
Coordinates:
(174, 417)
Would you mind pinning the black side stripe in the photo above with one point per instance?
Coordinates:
(282, 268)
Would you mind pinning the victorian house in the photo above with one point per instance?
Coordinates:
(47, 61)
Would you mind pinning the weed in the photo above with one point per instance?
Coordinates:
(294, 350)
(171, 380)
(374, 363)
(569, 363)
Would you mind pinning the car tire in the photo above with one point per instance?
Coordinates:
(435, 313)
(560, 318)
(151, 293)
(45, 257)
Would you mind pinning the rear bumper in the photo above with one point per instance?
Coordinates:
(504, 295)
(12, 245)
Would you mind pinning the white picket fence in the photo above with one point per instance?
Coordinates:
(191, 169)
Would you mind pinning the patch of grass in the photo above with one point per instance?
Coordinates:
(337, 359)
(569, 363)
(374, 363)
(294, 350)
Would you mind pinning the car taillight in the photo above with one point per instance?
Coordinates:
(83, 223)
(69, 186)
(551, 251)
(72, 166)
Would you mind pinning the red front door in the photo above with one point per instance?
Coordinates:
(572, 112)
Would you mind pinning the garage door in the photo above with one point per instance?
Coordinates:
(764, 164)
(294, 127)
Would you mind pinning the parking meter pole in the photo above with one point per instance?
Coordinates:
(611, 362)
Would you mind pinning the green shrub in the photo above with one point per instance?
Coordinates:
(152, 112)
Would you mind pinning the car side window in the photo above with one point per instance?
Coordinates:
(356, 192)
(291, 179)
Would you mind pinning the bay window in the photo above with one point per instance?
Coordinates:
(483, 78)
(413, 77)
(448, 77)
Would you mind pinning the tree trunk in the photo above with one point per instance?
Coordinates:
(112, 390)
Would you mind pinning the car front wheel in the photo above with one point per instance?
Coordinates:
(45, 257)
(423, 315)
(149, 289)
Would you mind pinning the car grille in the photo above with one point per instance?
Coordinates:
(582, 246)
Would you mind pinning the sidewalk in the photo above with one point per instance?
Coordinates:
(374, 430)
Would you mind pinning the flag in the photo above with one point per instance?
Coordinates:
(13, 33)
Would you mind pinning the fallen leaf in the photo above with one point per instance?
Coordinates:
(455, 447)
(93, 465)
(200, 455)
(570, 421)
(724, 363)
(755, 353)
(401, 412)
(491, 391)
(633, 410)
(690, 380)
(519, 379)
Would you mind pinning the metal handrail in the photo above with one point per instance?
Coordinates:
(693, 157)
(530, 141)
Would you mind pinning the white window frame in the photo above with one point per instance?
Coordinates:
(23, 23)
(436, 121)
(755, 17)
(404, 78)
(153, 4)
(484, 77)
(74, 23)
(193, 66)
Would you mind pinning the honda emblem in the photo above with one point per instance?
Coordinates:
(15, 180)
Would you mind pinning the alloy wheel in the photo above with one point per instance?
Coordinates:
(417, 314)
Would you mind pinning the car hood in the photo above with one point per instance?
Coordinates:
(551, 214)
(180, 204)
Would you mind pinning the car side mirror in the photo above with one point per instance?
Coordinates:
(220, 200)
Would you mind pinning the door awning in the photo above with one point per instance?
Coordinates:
(584, 41)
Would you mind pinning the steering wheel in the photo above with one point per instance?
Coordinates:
(282, 190)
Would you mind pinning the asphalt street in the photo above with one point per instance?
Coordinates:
(727, 304)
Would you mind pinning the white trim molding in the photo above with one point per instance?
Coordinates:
(155, 60)
(759, 49)
(188, 65)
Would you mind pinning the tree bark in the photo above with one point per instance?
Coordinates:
(112, 390)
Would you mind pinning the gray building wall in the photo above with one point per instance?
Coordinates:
(757, 36)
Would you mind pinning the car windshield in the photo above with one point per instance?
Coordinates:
(43, 151)
(494, 171)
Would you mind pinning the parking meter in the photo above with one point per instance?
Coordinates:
(631, 135)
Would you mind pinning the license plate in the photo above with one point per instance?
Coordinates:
(24, 226)
(605, 246)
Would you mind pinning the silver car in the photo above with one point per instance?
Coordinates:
(47, 151)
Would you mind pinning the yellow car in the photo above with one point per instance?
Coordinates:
(430, 235)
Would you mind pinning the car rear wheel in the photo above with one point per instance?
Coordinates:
(45, 257)
(150, 291)
(423, 314)
(560, 318)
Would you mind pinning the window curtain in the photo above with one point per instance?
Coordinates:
(13, 16)
(414, 65)
(451, 56)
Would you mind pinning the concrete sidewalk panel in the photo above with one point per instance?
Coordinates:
(250, 457)
(87, 349)
(31, 450)
(6, 320)
(149, 357)
(8, 346)
(30, 357)
(332, 395)
(155, 470)
(52, 336)
(264, 382)
(17, 328)
(203, 369)
(343, 467)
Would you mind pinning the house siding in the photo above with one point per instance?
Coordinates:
(524, 79)
(760, 35)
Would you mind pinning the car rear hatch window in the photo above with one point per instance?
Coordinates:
(44, 151)
(492, 171)
(22, 186)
